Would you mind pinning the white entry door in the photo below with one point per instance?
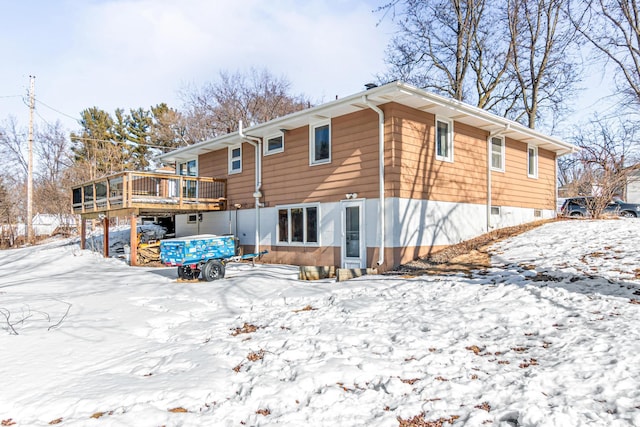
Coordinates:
(354, 250)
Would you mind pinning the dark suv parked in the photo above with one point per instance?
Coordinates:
(577, 206)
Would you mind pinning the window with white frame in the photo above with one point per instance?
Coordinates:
(532, 161)
(497, 153)
(235, 159)
(298, 225)
(320, 143)
(189, 186)
(444, 139)
(189, 168)
(274, 144)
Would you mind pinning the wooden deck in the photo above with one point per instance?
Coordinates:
(148, 193)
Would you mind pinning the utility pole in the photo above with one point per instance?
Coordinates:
(30, 239)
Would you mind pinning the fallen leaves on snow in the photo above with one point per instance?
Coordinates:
(245, 329)
(484, 406)
(419, 421)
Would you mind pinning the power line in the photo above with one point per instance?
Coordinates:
(57, 111)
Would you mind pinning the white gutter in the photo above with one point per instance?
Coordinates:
(489, 153)
(257, 144)
(381, 208)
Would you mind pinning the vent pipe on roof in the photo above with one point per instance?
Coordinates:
(257, 144)
(489, 163)
(381, 207)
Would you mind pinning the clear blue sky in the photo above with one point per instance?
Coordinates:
(137, 53)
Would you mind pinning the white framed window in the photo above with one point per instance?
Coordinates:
(298, 225)
(320, 143)
(188, 168)
(189, 186)
(274, 144)
(497, 153)
(444, 139)
(532, 161)
(235, 159)
(495, 210)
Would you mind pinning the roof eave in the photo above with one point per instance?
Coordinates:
(399, 92)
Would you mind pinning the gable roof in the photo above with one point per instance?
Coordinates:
(399, 92)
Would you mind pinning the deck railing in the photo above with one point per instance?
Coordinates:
(152, 191)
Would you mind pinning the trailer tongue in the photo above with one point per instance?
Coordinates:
(204, 254)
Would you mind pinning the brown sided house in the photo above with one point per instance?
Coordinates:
(375, 179)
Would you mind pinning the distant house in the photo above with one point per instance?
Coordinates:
(375, 179)
(633, 187)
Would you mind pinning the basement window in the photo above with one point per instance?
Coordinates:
(298, 225)
(495, 210)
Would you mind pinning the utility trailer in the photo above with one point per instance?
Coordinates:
(203, 253)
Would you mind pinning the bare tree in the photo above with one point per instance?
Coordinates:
(8, 214)
(513, 58)
(52, 147)
(457, 48)
(12, 148)
(542, 64)
(13, 177)
(613, 28)
(607, 157)
(255, 97)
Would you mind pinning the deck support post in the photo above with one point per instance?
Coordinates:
(83, 233)
(133, 242)
(105, 239)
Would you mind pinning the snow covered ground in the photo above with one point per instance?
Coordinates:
(548, 337)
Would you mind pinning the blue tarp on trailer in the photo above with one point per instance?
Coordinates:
(194, 249)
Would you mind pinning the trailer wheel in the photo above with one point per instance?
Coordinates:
(213, 270)
(187, 273)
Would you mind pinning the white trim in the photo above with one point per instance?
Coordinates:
(186, 162)
(312, 143)
(449, 123)
(535, 157)
(397, 91)
(304, 207)
(502, 154)
(268, 152)
(232, 159)
(361, 260)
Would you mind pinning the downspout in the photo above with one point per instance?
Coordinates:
(381, 207)
(489, 195)
(257, 144)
